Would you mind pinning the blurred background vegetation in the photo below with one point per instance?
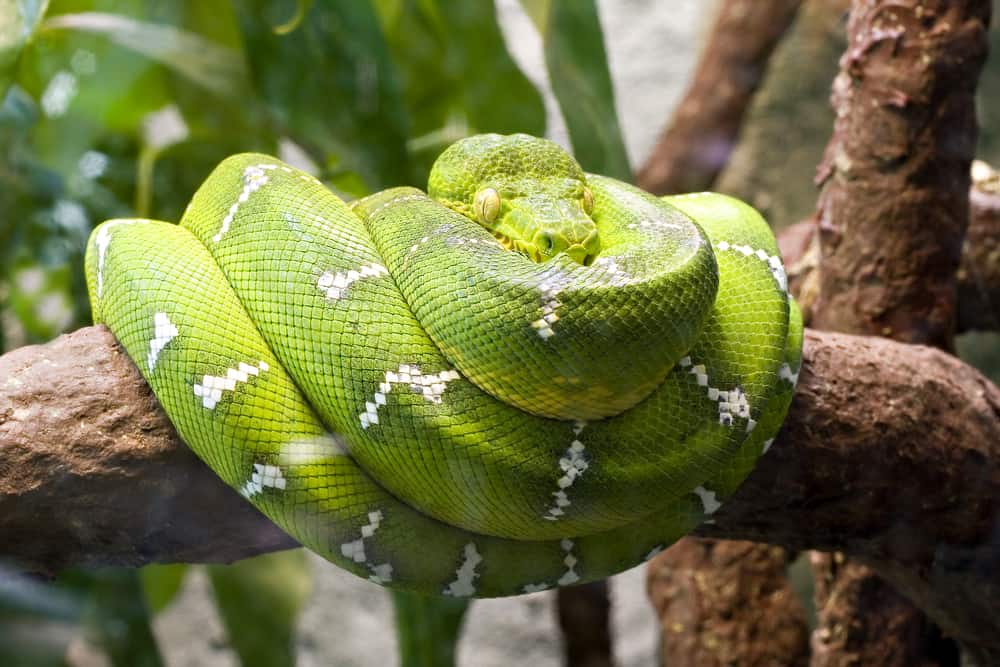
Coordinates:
(120, 108)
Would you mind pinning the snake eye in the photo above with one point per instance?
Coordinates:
(487, 205)
(588, 201)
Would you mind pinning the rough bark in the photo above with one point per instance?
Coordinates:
(702, 134)
(979, 270)
(894, 206)
(724, 603)
(892, 217)
(92, 473)
(902, 528)
(893, 633)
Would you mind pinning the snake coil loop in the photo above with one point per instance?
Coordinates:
(527, 377)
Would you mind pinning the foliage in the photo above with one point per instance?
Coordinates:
(120, 108)
(427, 628)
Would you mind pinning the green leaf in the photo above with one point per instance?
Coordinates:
(458, 77)
(328, 84)
(161, 583)
(259, 600)
(578, 69)
(18, 21)
(216, 68)
(428, 628)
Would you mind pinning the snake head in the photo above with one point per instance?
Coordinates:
(528, 192)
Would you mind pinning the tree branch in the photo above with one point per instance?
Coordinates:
(723, 602)
(891, 631)
(894, 205)
(92, 472)
(978, 275)
(702, 134)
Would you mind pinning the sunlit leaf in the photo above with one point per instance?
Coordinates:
(260, 600)
(216, 68)
(428, 628)
(581, 81)
(18, 21)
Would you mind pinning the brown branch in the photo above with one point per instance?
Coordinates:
(696, 146)
(892, 216)
(978, 274)
(584, 614)
(724, 602)
(892, 631)
(891, 457)
(894, 206)
(92, 473)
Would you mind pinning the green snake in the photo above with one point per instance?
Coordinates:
(528, 377)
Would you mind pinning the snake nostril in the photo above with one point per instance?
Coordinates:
(579, 254)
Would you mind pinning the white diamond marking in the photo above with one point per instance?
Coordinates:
(264, 475)
(432, 386)
(709, 502)
(333, 284)
(732, 403)
(570, 576)
(102, 242)
(164, 331)
(543, 326)
(355, 550)
(465, 575)
(254, 178)
(786, 373)
(773, 262)
(573, 464)
(211, 387)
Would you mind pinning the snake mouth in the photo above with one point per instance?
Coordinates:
(505, 241)
(521, 247)
(577, 252)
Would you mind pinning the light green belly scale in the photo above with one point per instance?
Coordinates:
(436, 413)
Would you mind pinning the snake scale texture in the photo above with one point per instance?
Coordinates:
(528, 377)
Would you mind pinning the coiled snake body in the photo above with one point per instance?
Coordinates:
(528, 377)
